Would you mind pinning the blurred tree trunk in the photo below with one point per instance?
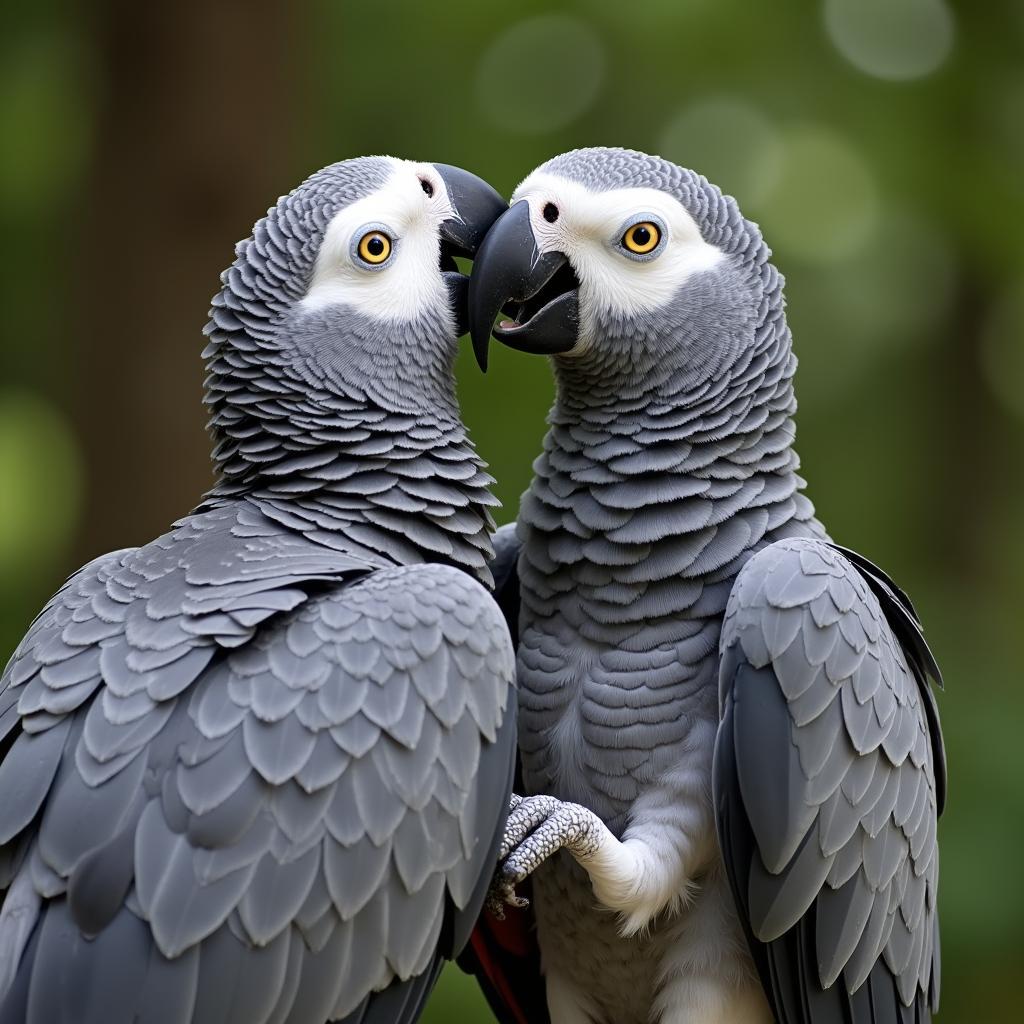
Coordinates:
(195, 138)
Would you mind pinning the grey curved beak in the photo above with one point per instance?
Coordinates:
(476, 207)
(509, 269)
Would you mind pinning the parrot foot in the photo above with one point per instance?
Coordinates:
(537, 827)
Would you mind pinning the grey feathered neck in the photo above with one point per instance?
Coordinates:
(669, 459)
(344, 428)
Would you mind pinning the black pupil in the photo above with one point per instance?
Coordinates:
(426, 186)
(551, 213)
(375, 246)
(642, 236)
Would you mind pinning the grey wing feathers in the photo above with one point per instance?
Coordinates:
(828, 777)
(290, 827)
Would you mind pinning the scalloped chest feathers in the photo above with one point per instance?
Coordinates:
(599, 722)
(620, 621)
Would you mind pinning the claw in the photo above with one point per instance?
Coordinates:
(501, 894)
(495, 905)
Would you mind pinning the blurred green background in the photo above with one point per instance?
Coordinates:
(880, 144)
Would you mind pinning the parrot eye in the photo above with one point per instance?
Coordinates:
(374, 248)
(427, 187)
(642, 238)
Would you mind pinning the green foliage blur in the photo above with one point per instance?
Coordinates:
(880, 144)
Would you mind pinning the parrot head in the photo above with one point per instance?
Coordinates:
(347, 294)
(388, 250)
(614, 261)
(351, 277)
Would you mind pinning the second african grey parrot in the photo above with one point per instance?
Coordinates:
(731, 759)
(255, 771)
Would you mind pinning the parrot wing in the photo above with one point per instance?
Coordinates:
(829, 775)
(248, 780)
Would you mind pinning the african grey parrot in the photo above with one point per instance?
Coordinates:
(693, 651)
(255, 771)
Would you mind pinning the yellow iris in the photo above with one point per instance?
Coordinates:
(642, 238)
(374, 247)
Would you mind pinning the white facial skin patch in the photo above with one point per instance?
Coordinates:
(408, 281)
(589, 229)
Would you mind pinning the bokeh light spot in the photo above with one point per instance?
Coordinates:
(541, 74)
(730, 142)
(40, 467)
(825, 204)
(891, 39)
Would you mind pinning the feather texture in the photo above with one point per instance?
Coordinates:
(851, 864)
(224, 845)
(667, 484)
(213, 746)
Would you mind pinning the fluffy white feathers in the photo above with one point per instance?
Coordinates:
(589, 229)
(409, 281)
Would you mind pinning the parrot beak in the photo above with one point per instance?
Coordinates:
(540, 290)
(477, 206)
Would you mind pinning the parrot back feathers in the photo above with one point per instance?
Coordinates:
(260, 779)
